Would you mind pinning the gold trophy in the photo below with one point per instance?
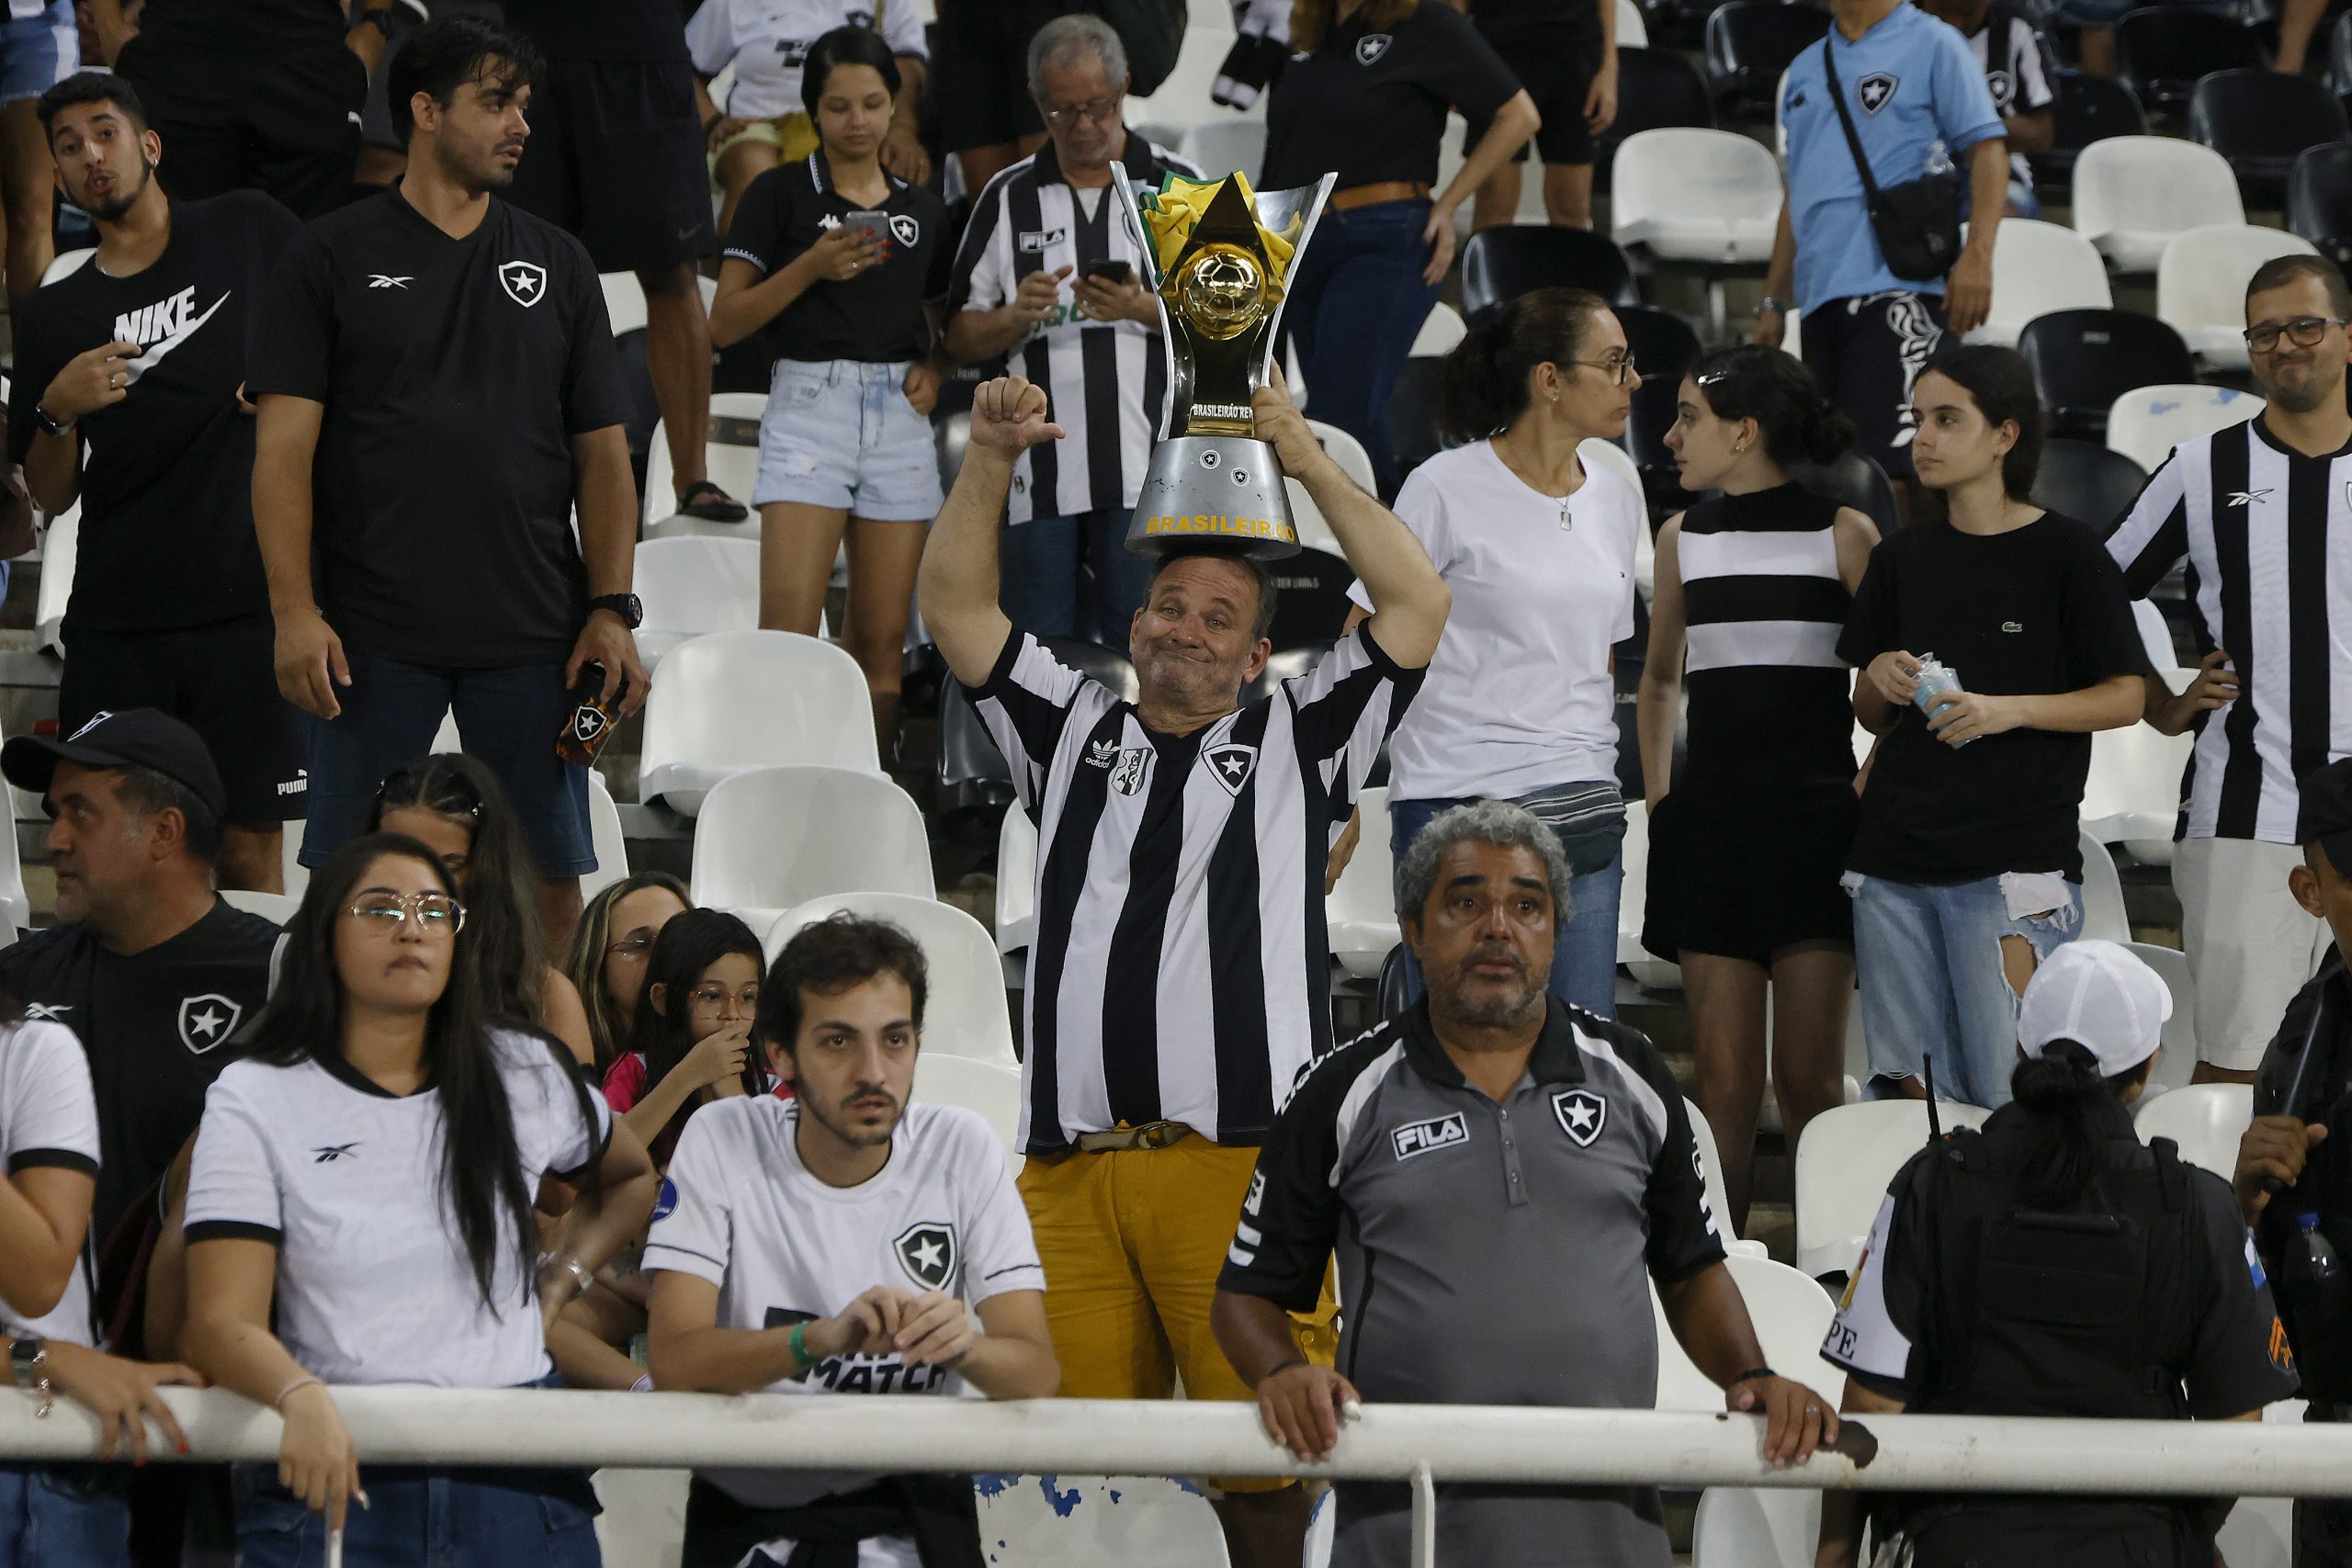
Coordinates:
(1220, 259)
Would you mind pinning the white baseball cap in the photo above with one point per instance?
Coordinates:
(2100, 996)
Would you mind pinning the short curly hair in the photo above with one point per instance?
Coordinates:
(830, 956)
(1495, 822)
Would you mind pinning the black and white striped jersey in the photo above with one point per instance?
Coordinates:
(1106, 381)
(1181, 970)
(2266, 534)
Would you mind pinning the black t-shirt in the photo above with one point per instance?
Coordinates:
(2038, 610)
(239, 26)
(454, 374)
(877, 316)
(647, 32)
(1371, 106)
(167, 514)
(156, 1026)
(1551, 23)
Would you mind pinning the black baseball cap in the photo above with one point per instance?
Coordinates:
(2323, 813)
(134, 738)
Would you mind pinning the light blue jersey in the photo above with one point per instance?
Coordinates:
(1910, 82)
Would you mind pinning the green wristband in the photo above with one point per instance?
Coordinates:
(797, 1342)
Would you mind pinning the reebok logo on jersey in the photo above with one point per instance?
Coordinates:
(1582, 1115)
(927, 1252)
(1437, 1132)
(207, 1021)
(525, 282)
(327, 1154)
(161, 328)
(1876, 91)
(386, 280)
(2248, 497)
(1230, 764)
(53, 1012)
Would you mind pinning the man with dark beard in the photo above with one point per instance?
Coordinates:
(129, 381)
(1493, 1147)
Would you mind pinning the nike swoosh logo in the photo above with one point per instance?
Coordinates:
(134, 368)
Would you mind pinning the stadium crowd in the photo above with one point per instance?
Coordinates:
(331, 395)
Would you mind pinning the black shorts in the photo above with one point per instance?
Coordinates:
(1557, 73)
(287, 124)
(1865, 352)
(220, 680)
(616, 157)
(980, 70)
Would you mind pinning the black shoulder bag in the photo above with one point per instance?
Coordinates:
(1917, 222)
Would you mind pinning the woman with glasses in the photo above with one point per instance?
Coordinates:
(359, 1213)
(838, 261)
(1753, 586)
(456, 806)
(1366, 95)
(1538, 547)
(610, 947)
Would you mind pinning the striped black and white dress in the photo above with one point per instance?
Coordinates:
(1747, 851)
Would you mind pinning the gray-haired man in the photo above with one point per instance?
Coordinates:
(1049, 280)
(1490, 1145)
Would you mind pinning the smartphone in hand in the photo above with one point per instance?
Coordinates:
(870, 225)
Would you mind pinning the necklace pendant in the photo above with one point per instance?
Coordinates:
(1567, 520)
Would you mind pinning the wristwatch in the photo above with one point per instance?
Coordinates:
(28, 1364)
(1778, 307)
(628, 606)
(50, 421)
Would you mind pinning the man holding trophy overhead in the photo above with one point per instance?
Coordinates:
(1180, 977)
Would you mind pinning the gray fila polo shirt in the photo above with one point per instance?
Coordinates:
(1489, 1255)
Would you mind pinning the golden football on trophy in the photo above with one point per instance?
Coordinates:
(1223, 291)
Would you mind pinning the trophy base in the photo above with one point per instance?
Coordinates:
(1214, 493)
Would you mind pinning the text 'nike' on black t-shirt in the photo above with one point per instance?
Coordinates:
(2038, 611)
(240, 27)
(167, 515)
(156, 1027)
(1371, 107)
(877, 316)
(454, 374)
(648, 33)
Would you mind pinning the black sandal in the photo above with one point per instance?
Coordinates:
(706, 502)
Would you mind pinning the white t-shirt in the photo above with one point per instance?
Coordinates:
(768, 40)
(374, 1285)
(48, 1117)
(740, 1210)
(1519, 696)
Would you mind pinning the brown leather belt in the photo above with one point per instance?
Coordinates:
(1373, 194)
(1150, 1135)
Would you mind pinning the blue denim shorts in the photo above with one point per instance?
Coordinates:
(75, 1515)
(37, 52)
(841, 434)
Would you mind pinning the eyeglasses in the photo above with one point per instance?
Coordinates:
(436, 914)
(2303, 332)
(710, 1000)
(1619, 366)
(1101, 111)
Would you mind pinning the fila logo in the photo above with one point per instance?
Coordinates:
(332, 1153)
(1876, 90)
(90, 724)
(907, 231)
(525, 282)
(1043, 239)
(386, 280)
(1230, 764)
(1371, 47)
(1582, 1115)
(1437, 1132)
(2251, 497)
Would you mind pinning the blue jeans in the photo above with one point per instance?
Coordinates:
(64, 1515)
(1928, 961)
(1071, 576)
(507, 718)
(420, 1519)
(1584, 953)
(1355, 304)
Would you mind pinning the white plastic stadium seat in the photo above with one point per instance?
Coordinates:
(1711, 1174)
(1134, 1521)
(1652, 973)
(1313, 529)
(2132, 796)
(604, 836)
(733, 468)
(1360, 913)
(2205, 1119)
(1348, 452)
(2201, 285)
(1221, 147)
(1210, 16)
(2147, 422)
(2134, 193)
(60, 545)
(1016, 881)
(1757, 1527)
(2178, 1058)
(992, 1088)
(2038, 268)
(966, 1014)
(692, 584)
(1440, 331)
(624, 301)
(16, 904)
(775, 838)
(737, 700)
(295, 874)
(1791, 1315)
(2103, 913)
(2259, 1532)
(275, 907)
(65, 263)
(1684, 194)
(1632, 31)
(1845, 1161)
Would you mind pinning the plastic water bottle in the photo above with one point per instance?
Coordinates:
(1938, 159)
(2316, 1296)
(1936, 678)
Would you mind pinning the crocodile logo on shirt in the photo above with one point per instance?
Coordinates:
(1876, 90)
